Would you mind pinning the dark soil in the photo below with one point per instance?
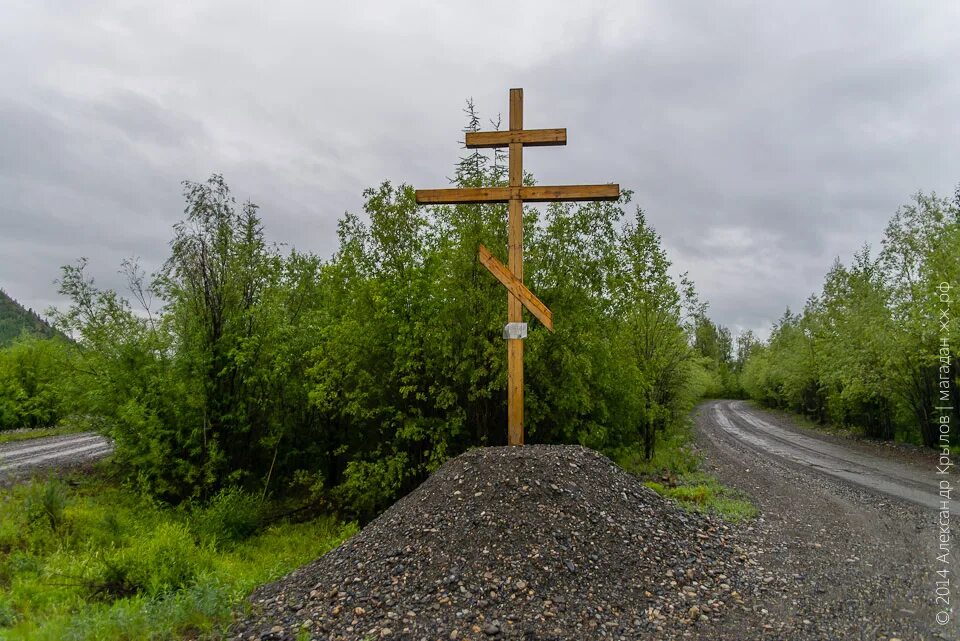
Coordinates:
(538, 542)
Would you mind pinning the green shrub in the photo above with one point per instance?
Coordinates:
(370, 486)
(233, 515)
(22, 562)
(8, 617)
(158, 562)
(31, 382)
(47, 503)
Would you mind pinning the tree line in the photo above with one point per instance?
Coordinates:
(15, 320)
(867, 351)
(349, 379)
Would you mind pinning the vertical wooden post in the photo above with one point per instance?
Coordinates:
(515, 263)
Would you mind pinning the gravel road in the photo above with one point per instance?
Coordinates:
(849, 533)
(554, 543)
(22, 458)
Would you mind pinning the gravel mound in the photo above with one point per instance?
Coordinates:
(534, 542)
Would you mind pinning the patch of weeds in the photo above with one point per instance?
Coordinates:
(703, 493)
(673, 472)
(165, 561)
(47, 502)
(195, 611)
(122, 568)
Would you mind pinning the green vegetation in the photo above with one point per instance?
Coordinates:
(273, 380)
(866, 352)
(32, 389)
(674, 472)
(87, 559)
(39, 432)
(16, 321)
(703, 492)
(722, 357)
(351, 379)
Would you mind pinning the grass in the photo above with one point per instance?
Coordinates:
(703, 493)
(39, 432)
(88, 559)
(674, 472)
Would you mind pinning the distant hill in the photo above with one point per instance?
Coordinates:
(15, 318)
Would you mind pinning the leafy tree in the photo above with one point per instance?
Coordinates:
(919, 254)
(350, 379)
(854, 334)
(865, 350)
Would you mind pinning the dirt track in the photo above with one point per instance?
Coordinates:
(21, 458)
(850, 533)
(834, 458)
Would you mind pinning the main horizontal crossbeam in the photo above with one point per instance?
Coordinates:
(526, 137)
(537, 194)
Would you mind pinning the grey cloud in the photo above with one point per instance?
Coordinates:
(761, 138)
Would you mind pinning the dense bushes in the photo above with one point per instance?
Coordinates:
(32, 382)
(352, 378)
(865, 351)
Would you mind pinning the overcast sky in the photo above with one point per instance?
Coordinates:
(762, 138)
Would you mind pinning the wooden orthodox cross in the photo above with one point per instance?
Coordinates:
(511, 275)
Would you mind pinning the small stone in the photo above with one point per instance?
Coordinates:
(521, 585)
(491, 629)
